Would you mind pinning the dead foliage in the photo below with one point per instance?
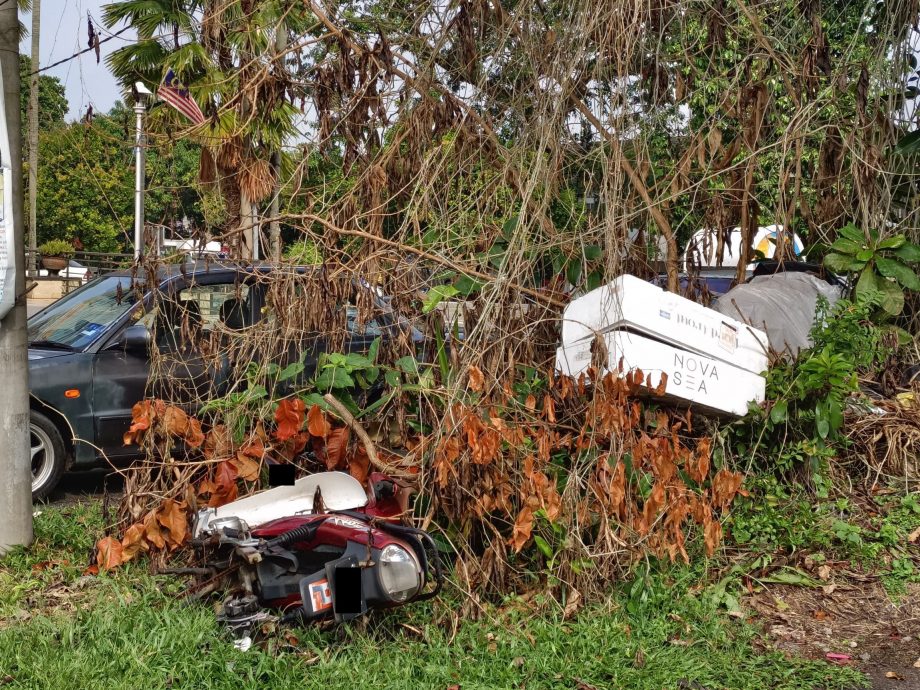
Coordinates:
(885, 442)
(517, 482)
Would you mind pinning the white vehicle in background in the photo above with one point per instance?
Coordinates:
(193, 248)
(74, 269)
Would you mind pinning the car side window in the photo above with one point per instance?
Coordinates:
(225, 303)
(179, 320)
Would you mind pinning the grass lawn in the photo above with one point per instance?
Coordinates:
(59, 629)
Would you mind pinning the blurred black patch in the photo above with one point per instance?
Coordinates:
(280, 475)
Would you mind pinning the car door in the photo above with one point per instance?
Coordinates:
(182, 320)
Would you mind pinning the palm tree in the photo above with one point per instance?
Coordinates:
(224, 52)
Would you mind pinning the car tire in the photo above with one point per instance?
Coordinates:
(47, 455)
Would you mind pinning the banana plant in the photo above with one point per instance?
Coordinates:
(884, 266)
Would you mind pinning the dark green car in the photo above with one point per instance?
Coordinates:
(89, 356)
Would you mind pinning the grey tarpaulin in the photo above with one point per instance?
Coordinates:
(783, 305)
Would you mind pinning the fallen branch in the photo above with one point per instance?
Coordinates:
(355, 426)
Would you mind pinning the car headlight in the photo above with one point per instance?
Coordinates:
(400, 573)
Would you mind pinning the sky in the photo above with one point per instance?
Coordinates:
(63, 33)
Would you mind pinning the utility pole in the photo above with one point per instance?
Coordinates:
(33, 138)
(140, 177)
(15, 462)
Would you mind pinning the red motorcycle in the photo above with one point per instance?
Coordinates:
(321, 547)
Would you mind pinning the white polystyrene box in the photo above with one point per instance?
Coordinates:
(630, 303)
(694, 378)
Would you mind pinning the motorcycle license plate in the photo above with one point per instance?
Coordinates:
(348, 597)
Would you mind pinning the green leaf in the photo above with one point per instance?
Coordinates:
(509, 227)
(780, 412)
(436, 295)
(892, 268)
(837, 262)
(865, 254)
(373, 350)
(407, 364)
(867, 282)
(497, 255)
(311, 399)
(391, 377)
(846, 246)
(290, 371)
(790, 576)
(908, 252)
(909, 143)
(824, 427)
(851, 232)
(466, 286)
(593, 252)
(334, 378)
(892, 301)
(573, 271)
(893, 242)
(595, 279)
(355, 361)
(544, 546)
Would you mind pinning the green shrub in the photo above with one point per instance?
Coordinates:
(56, 248)
(303, 253)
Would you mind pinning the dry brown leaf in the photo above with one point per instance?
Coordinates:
(171, 515)
(891, 675)
(47, 565)
(477, 380)
(175, 421)
(359, 465)
(725, 486)
(336, 445)
(289, 416)
(194, 436)
(914, 536)
(573, 604)
(108, 553)
(218, 443)
(133, 542)
(317, 423)
(152, 530)
(523, 526)
(246, 467)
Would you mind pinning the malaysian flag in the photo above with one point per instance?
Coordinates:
(178, 97)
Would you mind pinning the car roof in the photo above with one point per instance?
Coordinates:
(194, 268)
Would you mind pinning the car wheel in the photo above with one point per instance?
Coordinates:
(46, 449)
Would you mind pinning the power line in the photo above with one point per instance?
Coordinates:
(78, 54)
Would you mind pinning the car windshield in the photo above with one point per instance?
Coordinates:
(75, 321)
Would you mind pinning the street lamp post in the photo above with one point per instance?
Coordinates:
(140, 109)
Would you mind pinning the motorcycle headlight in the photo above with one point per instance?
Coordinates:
(400, 573)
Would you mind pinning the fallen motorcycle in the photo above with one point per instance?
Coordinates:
(322, 547)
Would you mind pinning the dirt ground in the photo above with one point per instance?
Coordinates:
(853, 617)
(84, 485)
